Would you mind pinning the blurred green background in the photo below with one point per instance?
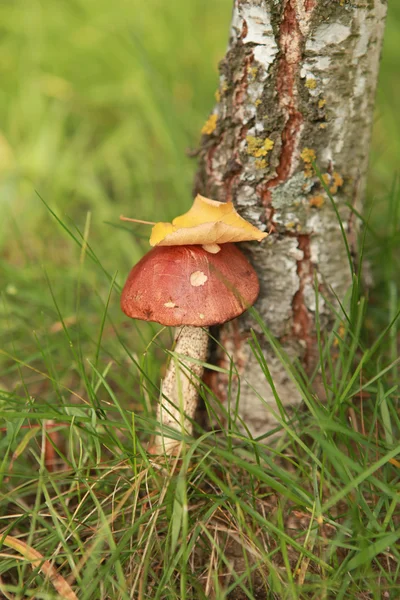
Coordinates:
(99, 103)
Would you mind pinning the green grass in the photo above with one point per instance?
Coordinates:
(99, 104)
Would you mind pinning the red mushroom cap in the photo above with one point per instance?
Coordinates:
(188, 285)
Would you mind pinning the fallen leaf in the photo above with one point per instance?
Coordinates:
(207, 222)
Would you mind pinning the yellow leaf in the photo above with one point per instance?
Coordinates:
(207, 222)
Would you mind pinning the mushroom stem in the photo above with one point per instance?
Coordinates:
(179, 389)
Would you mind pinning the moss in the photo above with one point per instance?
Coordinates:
(258, 147)
(210, 125)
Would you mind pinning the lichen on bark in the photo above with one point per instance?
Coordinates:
(298, 81)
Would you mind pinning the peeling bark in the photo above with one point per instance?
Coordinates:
(297, 84)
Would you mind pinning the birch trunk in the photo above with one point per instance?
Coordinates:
(297, 84)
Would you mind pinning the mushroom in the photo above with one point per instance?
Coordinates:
(191, 286)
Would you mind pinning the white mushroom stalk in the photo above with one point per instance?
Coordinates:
(179, 389)
(194, 277)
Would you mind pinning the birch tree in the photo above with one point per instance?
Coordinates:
(297, 85)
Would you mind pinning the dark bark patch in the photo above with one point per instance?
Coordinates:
(302, 322)
(309, 5)
(290, 43)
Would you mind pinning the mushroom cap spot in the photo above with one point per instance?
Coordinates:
(162, 278)
(198, 278)
(212, 248)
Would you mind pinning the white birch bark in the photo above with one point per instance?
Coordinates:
(298, 82)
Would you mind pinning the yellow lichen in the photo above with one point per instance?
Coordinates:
(322, 125)
(321, 103)
(337, 178)
(252, 71)
(258, 147)
(260, 163)
(218, 96)
(326, 178)
(308, 155)
(337, 182)
(210, 125)
(257, 102)
(317, 201)
(311, 83)
(340, 334)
